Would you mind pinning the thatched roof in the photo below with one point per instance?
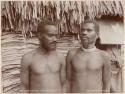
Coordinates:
(24, 15)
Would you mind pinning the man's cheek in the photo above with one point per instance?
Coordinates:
(93, 36)
(81, 38)
(44, 41)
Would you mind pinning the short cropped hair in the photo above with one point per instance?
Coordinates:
(96, 25)
(42, 24)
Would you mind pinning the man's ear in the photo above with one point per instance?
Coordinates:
(97, 35)
(79, 38)
(39, 35)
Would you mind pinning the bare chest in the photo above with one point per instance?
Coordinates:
(85, 61)
(44, 65)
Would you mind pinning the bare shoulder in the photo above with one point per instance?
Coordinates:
(61, 57)
(104, 53)
(71, 53)
(26, 58)
(105, 56)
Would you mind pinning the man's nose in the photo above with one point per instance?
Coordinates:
(85, 32)
(54, 38)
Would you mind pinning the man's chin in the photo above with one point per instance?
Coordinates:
(85, 40)
(52, 48)
(85, 44)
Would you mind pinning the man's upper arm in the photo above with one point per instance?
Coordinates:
(68, 66)
(63, 69)
(25, 73)
(106, 76)
(69, 58)
(63, 73)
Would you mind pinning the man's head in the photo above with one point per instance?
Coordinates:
(47, 34)
(89, 32)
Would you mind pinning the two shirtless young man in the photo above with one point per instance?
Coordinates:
(87, 69)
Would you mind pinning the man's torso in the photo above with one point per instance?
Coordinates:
(45, 73)
(87, 71)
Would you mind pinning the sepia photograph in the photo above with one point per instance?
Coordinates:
(62, 46)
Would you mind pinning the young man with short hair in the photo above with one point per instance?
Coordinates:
(43, 69)
(88, 68)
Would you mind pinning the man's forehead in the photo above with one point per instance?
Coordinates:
(84, 25)
(52, 29)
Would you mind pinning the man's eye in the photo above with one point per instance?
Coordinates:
(50, 35)
(89, 30)
(56, 35)
(53, 35)
(83, 30)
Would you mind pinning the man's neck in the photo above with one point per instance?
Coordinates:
(45, 51)
(89, 49)
(89, 46)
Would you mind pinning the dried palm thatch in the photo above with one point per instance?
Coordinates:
(24, 15)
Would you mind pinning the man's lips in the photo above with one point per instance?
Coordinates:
(84, 37)
(53, 43)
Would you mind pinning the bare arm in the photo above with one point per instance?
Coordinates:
(106, 75)
(25, 74)
(68, 71)
(63, 74)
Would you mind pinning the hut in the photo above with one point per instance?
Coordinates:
(23, 17)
